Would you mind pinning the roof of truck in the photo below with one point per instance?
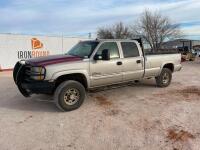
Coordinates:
(139, 40)
(121, 40)
(114, 40)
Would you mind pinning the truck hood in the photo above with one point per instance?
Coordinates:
(53, 59)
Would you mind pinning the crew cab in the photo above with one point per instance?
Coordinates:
(92, 64)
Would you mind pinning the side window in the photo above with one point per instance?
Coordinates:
(112, 47)
(130, 49)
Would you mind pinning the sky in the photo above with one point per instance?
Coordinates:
(80, 17)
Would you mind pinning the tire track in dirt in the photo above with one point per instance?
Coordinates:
(187, 93)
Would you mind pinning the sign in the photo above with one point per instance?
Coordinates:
(37, 50)
(14, 47)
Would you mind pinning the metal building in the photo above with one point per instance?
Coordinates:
(181, 43)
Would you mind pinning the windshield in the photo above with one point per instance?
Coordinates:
(83, 49)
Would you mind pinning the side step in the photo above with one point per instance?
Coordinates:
(114, 86)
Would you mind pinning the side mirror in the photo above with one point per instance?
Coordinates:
(97, 57)
(105, 54)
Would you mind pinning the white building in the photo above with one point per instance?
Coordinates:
(16, 47)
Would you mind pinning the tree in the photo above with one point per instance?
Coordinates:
(155, 28)
(105, 33)
(117, 31)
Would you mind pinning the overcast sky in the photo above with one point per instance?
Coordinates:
(79, 17)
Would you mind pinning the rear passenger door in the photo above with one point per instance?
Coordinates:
(132, 61)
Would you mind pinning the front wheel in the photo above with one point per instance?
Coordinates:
(69, 95)
(165, 78)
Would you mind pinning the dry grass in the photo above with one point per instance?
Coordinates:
(190, 90)
(186, 93)
(179, 135)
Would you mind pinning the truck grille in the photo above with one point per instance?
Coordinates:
(27, 73)
(22, 73)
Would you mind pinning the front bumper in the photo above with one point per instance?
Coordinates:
(28, 86)
(39, 87)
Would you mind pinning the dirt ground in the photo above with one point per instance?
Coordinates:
(136, 116)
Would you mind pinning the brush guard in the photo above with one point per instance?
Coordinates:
(19, 76)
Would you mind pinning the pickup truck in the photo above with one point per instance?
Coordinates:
(92, 64)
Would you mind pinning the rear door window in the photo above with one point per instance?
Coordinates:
(130, 49)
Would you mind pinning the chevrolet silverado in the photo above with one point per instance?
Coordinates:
(92, 64)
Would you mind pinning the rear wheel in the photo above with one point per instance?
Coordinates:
(69, 95)
(165, 78)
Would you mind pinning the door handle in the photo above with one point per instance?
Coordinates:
(138, 61)
(119, 63)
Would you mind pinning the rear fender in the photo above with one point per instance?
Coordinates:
(162, 66)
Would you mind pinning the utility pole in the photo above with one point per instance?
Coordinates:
(90, 35)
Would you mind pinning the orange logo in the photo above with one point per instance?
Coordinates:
(36, 44)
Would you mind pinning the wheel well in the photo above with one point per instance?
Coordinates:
(170, 66)
(75, 76)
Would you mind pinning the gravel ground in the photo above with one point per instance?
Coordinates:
(135, 116)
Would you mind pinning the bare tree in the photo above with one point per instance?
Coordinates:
(117, 31)
(105, 33)
(155, 28)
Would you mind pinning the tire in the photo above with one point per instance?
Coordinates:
(69, 95)
(165, 78)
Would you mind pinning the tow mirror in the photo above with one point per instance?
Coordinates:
(97, 57)
(104, 56)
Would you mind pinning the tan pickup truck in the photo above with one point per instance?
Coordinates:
(92, 64)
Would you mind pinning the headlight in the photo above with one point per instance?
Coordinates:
(37, 73)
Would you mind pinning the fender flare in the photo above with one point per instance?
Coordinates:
(56, 75)
(165, 63)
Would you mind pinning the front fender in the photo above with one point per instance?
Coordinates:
(67, 72)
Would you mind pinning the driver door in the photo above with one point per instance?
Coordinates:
(105, 72)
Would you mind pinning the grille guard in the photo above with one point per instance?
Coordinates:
(18, 76)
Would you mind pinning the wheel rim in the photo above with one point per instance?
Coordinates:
(165, 78)
(71, 96)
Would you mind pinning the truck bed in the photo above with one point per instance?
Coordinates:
(164, 51)
(155, 61)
